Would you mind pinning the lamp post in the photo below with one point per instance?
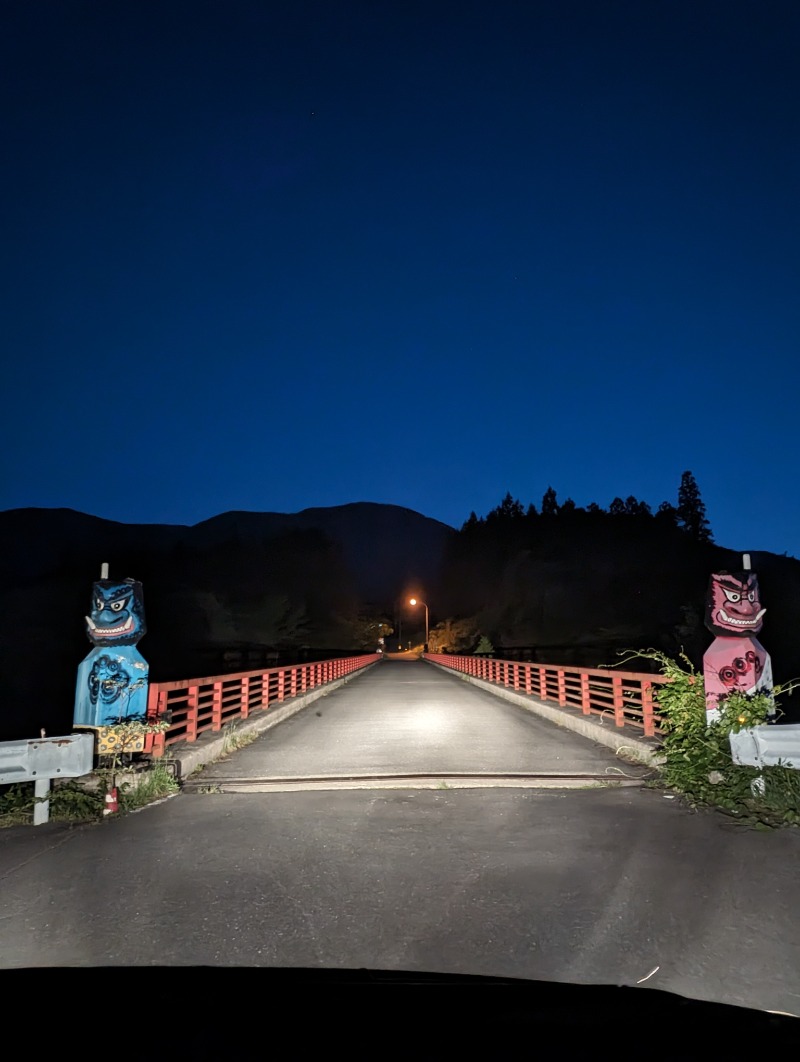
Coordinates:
(418, 601)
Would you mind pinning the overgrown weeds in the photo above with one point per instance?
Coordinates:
(699, 763)
(69, 802)
(152, 784)
(76, 801)
(234, 739)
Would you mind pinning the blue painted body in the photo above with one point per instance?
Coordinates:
(111, 687)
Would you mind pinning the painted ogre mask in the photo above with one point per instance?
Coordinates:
(733, 604)
(117, 613)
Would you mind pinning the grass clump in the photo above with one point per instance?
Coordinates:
(154, 783)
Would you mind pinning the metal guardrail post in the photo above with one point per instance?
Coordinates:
(41, 809)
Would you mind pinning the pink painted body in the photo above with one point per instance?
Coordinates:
(735, 665)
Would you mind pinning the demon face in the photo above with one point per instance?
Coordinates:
(733, 605)
(108, 680)
(117, 613)
(111, 687)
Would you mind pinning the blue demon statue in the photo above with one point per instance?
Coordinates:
(117, 613)
(112, 679)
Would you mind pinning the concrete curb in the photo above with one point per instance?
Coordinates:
(429, 782)
(626, 745)
(210, 746)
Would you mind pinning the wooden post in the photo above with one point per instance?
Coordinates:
(586, 696)
(159, 741)
(216, 707)
(191, 713)
(647, 709)
(619, 715)
(562, 687)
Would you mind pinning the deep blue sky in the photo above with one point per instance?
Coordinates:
(261, 255)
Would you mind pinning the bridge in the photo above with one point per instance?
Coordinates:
(576, 698)
(456, 815)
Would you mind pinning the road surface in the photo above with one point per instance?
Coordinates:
(402, 718)
(596, 885)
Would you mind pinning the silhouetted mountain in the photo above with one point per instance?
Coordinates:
(568, 586)
(284, 580)
(384, 546)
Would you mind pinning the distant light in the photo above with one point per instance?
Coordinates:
(413, 601)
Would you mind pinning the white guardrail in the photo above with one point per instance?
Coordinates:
(766, 746)
(39, 760)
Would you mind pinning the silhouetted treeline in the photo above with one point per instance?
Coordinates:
(598, 581)
(557, 582)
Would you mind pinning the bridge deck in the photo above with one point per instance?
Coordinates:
(410, 718)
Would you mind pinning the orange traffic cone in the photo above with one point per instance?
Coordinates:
(112, 804)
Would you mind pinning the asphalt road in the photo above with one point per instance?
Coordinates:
(399, 718)
(592, 886)
(597, 886)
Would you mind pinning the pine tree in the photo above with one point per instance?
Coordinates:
(510, 508)
(691, 510)
(549, 503)
(634, 507)
(484, 647)
(667, 514)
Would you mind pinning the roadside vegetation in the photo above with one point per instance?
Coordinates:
(83, 799)
(698, 761)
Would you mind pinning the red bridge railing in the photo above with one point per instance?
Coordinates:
(194, 706)
(627, 697)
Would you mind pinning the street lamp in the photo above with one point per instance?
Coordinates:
(418, 601)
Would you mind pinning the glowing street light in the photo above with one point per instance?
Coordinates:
(418, 601)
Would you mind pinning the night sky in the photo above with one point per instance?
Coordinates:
(270, 255)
